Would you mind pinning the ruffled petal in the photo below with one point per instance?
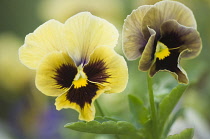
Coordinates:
(55, 74)
(45, 39)
(187, 39)
(147, 57)
(170, 64)
(86, 32)
(133, 39)
(107, 68)
(181, 41)
(80, 99)
(165, 10)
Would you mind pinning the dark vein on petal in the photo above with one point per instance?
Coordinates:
(96, 71)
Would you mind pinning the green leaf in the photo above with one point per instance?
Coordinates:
(170, 122)
(105, 119)
(145, 132)
(139, 112)
(185, 134)
(104, 127)
(167, 105)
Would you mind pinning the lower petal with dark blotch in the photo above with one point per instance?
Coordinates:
(180, 41)
(171, 64)
(80, 99)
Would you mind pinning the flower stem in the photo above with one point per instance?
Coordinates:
(152, 106)
(99, 108)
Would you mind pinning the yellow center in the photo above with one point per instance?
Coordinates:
(80, 79)
(80, 82)
(162, 51)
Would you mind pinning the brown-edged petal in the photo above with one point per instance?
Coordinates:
(170, 64)
(133, 39)
(187, 38)
(147, 57)
(163, 11)
(181, 41)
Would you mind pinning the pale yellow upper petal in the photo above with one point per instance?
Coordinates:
(116, 68)
(86, 32)
(45, 39)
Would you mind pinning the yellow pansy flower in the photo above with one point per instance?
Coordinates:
(76, 61)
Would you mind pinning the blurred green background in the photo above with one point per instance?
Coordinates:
(25, 113)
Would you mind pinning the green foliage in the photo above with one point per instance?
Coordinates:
(185, 134)
(146, 125)
(170, 122)
(139, 112)
(147, 130)
(167, 105)
(106, 126)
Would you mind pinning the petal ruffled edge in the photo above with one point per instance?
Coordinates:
(180, 75)
(46, 38)
(188, 36)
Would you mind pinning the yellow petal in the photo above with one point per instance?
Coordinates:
(55, 74)
(114, 69)
(86, 32)
(45, 39)
(133, 39)
(86, 113)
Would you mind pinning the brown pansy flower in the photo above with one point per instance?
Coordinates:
(161, 34)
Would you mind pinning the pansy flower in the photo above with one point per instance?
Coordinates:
(161, 34)
(75, 61)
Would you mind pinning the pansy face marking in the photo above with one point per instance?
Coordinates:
(161, 34)
(80, 79)
(76, 61)
(86, 82)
